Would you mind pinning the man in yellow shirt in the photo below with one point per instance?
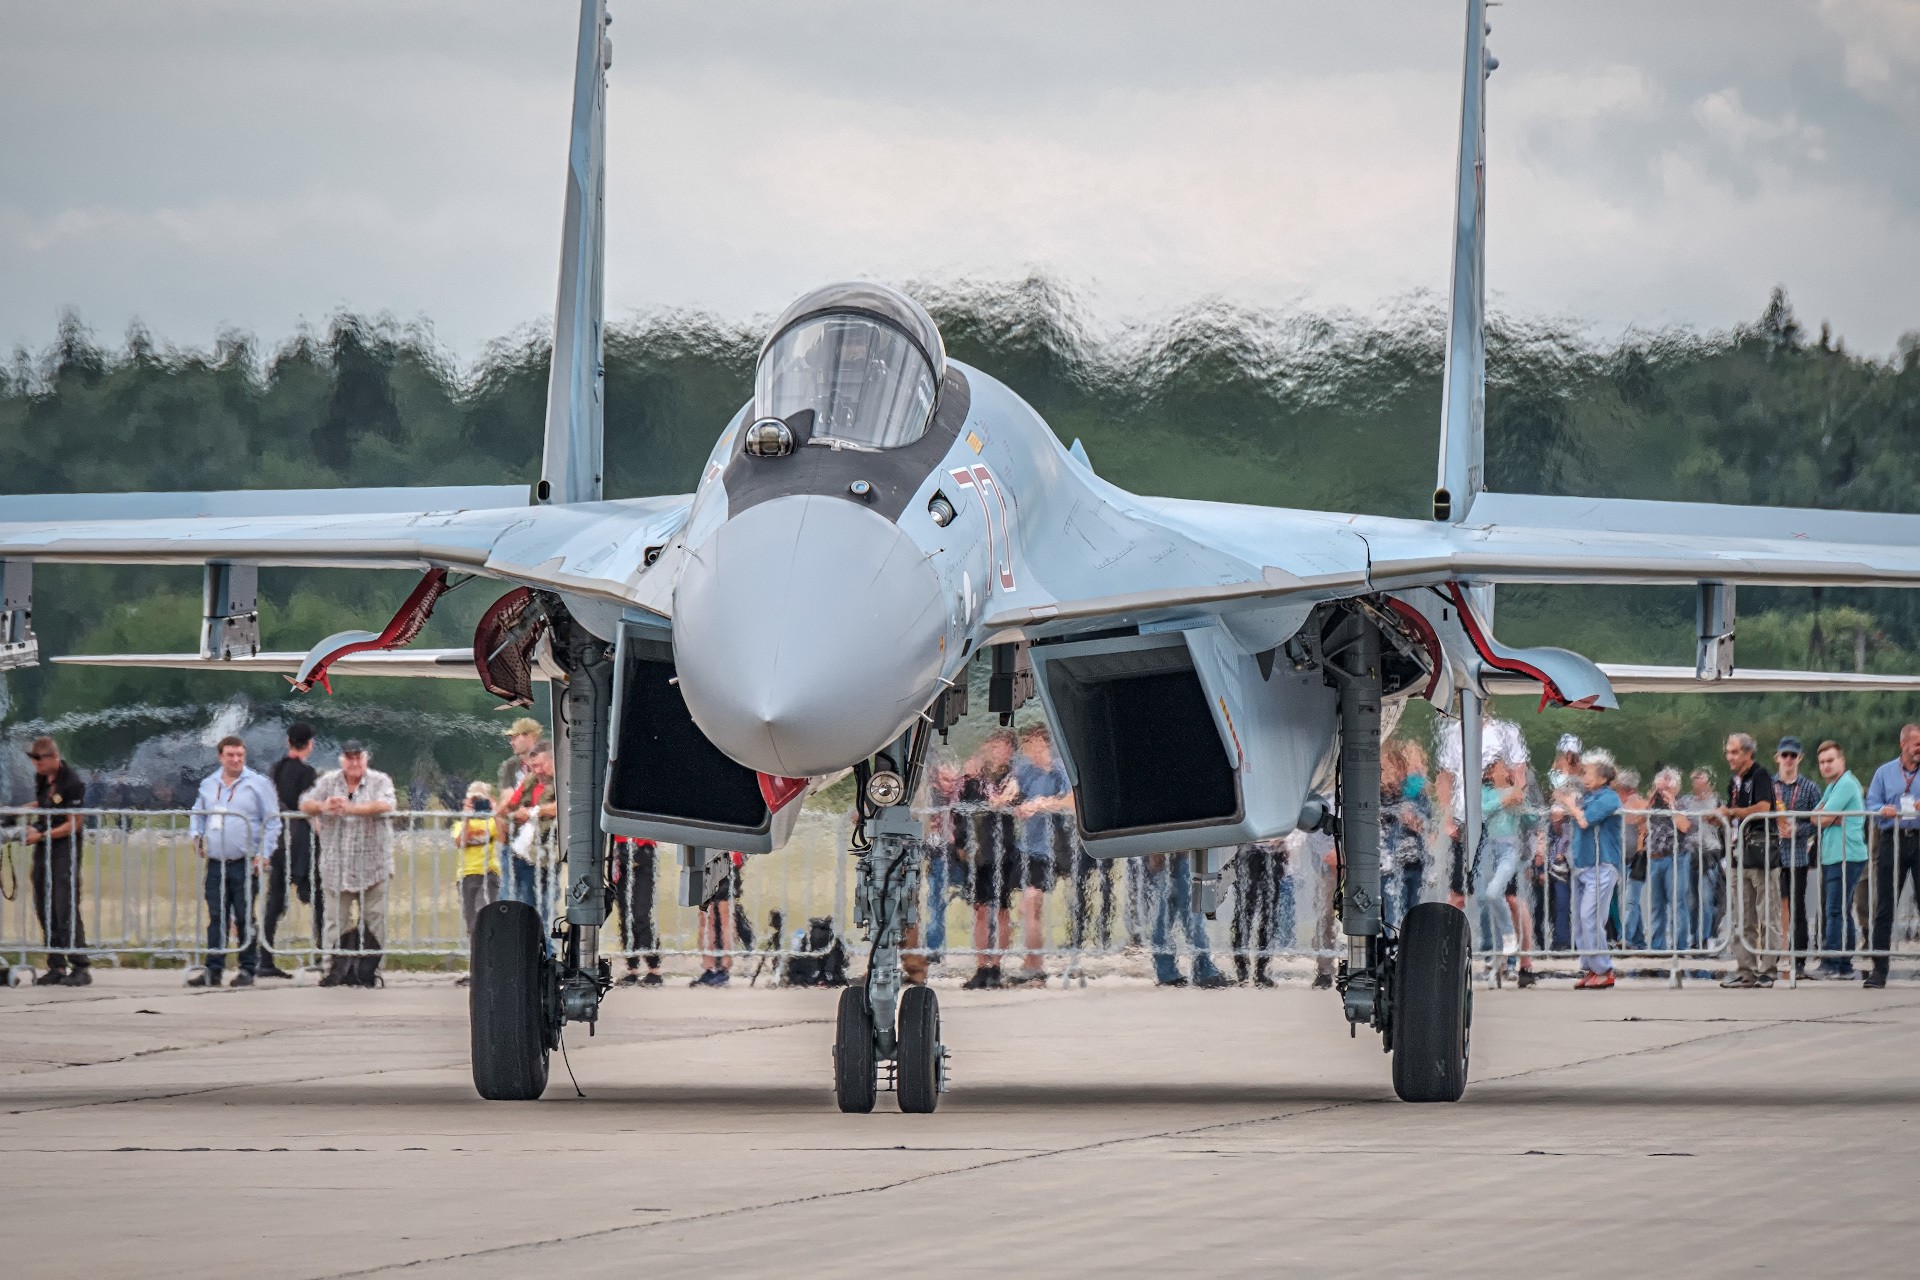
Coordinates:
(477, 835)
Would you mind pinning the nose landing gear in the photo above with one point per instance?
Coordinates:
(883, 1022)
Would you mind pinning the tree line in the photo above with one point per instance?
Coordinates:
(1322, 411)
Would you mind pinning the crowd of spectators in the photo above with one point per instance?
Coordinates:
(1579, 860)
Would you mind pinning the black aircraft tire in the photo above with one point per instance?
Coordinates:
(918, 1070)
(1432, 1004)
(504, 1003)
(854, 1085)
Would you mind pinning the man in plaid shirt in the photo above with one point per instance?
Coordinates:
(349, 806)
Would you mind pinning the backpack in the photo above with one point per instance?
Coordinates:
(827, 966)
(357, 970)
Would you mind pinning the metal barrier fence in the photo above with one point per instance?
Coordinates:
(1755, 893)
(143, 895)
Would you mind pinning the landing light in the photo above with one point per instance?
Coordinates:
(886, 788)
(769, 438)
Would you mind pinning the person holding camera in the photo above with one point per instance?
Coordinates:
(478, 833)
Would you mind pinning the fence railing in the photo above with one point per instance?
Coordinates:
(144, 893)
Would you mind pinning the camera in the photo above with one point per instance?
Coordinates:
(482, 805)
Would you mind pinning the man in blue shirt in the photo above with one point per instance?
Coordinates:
(1044, 809)
(1893, 797)
(1595, 812)
(235, 827)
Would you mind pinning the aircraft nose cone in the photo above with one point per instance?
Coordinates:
(806, 633)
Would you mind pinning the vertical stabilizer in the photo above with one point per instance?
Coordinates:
(1464, 396)
(570, 467)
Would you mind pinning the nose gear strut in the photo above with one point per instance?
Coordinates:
(884, 1023)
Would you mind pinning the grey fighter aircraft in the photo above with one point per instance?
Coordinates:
(870, 521)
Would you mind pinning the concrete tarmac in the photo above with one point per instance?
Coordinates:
(149, 1130)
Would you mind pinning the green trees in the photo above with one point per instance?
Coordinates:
(1317, 411)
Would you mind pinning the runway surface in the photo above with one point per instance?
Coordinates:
(153, 1131)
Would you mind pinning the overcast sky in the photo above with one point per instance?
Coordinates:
(201, 164)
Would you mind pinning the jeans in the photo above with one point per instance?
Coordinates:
(1633, 934)
(1592, 894)
(633, 873)
(1401, 888)
(521, 886)
(1712, 898)
(936, 930)
(229, 891)
(1837, 882)
(1172, 891)
(1670, 902)
(1285, 907)
(1256, 881)
(1560, 908)
(1087, 869)
(1499, 861)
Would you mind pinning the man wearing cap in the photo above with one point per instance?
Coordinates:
(56, 843)
(350, 807)
(1794, 793)
(523, 735)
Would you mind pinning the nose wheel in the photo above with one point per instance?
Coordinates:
(854, 1061)
(918, 1069)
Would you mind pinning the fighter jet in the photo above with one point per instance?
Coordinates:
(870, 521)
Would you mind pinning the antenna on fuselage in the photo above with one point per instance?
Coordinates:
(1463, 399)
(571, 461)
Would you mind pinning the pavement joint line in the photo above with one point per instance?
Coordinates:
(58, 1065)
(252, 1084)
(1043, 1154)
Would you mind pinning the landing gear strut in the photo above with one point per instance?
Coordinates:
(883, 1022)
(1416, 989)
(522, 994)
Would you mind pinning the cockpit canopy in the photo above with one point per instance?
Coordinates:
(866, 359)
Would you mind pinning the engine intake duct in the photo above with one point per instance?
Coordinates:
(666, 781)
(1137, 725)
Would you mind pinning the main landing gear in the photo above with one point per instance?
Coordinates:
(521, 993)
(884, 1023)
(1415, 989)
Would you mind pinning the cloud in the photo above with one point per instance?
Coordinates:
(219, 163)
(1882, 45)
(1722, 115)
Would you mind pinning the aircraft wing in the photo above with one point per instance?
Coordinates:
(1634, 678)
(590, 548)
(1510, 539)
(1537, 539)
(450, 664)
